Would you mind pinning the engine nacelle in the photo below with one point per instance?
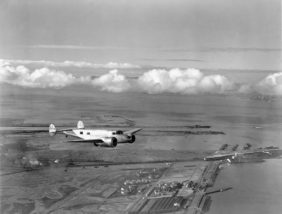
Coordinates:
(113, 142)
(132, 139)
(110, 142)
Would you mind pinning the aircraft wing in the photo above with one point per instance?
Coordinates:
(85, 141)
(62, 130)
(132, 131)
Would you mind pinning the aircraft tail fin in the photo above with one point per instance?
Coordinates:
(52, 130)
(80, 125)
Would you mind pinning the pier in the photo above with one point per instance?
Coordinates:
(179, 194)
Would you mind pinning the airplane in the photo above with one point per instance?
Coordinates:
(103, 138)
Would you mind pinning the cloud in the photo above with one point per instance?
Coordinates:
(227, 49)
(76, 47)
(112, 82)
(39, 78)
(271, 85)
(45, 77)
(119, 65)
(50, 78)
(189, 81)
(79, 64)
(156, 81)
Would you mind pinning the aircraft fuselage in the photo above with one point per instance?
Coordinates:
(89, 134)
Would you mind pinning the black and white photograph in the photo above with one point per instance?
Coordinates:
(140, 106)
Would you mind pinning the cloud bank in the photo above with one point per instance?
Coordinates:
(39, 78)
(189, 81)
(50, 78)
(112, 82)
(156, 81)
(271, 85)
(79, 64)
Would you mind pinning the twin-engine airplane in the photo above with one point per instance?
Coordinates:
(104, 138)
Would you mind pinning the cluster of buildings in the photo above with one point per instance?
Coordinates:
(141, 181)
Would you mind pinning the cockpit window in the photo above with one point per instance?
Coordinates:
(119, 132)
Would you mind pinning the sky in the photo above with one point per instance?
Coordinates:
(184, 33)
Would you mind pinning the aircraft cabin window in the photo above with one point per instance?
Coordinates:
(88, 133)
(81, 133)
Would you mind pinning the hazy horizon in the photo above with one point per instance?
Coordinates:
(215, 34)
